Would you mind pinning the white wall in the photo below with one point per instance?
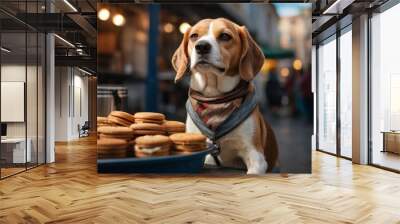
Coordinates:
(80, 96)
(12, 73)
(71, 93)
(61, 103)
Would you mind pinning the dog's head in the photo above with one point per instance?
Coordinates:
(218, 46)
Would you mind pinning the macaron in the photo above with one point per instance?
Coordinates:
(147, 129)
(112, 147)
(152, 145)
(121, 118)
(149, 117)
(117, 132)
(103, 121)
(172, 127)
(189, 142)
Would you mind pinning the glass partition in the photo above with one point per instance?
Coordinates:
(346, 93)
(14, 153)
(31, 97)
(385, 89)
(41, 96)
(22, 92)
(327, 96)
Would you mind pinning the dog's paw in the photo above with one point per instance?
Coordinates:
(210, 161)
(259, 169)
(256, 171)
(284, 175)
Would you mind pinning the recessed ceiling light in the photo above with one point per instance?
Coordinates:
(65, 41)
(337, 7)
(70, 5)
(5, 50)
(84, 71)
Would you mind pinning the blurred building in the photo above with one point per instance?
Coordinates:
(295, 34)
(264, 28)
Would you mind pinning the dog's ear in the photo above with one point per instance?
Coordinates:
(252, 58)
(180, 59)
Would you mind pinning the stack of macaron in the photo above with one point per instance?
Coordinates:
(114, 140)
(148, 123)
(150, 135)
(112, 147)
(147, 133)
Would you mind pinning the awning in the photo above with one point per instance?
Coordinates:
(277, 52)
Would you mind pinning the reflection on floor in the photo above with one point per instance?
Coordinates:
(10, 171)
(71, 191)
(387, 159)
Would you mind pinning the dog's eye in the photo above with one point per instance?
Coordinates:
(224, 37)
(194, 36)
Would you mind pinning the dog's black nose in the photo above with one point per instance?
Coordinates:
(203, 47)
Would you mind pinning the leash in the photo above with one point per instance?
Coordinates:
(215, 153)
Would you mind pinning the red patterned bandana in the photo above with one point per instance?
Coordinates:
(215, 110)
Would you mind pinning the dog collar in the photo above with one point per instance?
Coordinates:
(241, 90)
(215, 117)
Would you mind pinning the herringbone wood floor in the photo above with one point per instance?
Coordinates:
(70, 191)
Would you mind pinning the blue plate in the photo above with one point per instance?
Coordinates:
(189, 163)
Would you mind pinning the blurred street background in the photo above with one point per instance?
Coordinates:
(136, 43)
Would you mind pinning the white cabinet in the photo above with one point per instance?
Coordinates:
(17, 148)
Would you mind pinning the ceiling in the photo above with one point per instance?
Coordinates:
(330, 15)
(72, 20)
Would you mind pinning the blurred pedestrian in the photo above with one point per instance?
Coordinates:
(298, 94)
(307, 95)
(117, 100)
(290, 91)
(274, 92)
(260, 83)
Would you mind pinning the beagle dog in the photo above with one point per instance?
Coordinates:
(220, 55)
